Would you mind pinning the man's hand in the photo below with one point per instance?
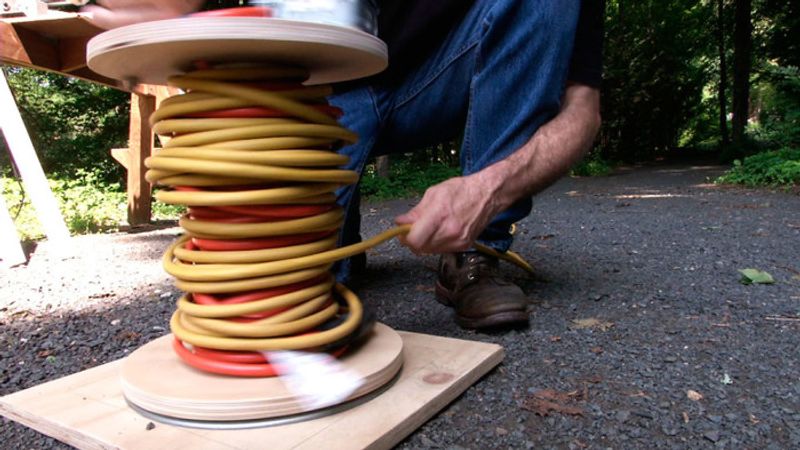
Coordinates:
(109, 14)
(451, 215)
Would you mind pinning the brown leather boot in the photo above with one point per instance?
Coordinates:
(470, 282)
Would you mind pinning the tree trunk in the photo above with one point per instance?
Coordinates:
(742, 42)
(382, 166)
(723, 76)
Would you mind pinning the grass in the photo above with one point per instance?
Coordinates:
(405, 179)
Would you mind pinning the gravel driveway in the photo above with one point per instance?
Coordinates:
(641, 333)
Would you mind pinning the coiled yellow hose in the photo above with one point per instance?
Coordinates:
(257, 162)
(251, 153)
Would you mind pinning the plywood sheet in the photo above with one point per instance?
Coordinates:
(58, 25)
(87, 409)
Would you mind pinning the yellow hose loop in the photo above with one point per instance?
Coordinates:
(283, 158)
(276, 143)
(251, 284)
(216, 230)
(509, 256)
(181, 126)
(301, 310)
(312, 94)
(240, 309)
(200, 103)
(215, 137)
(227, 272)
(319, 193)
(282, 343)
(164, 165)
(254, 256)
(262, 98)
(170, 179)
(258, 329)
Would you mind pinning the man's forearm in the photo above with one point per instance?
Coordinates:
(549, 154)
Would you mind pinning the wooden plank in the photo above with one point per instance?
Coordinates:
(122, 156)
(29, 48)
(72, 53)
(140, 145)
(58, 25)
(11, 251)
(21, 147)
(55, 44)
(11, 49)
(87, 409)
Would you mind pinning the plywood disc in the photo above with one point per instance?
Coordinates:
(152, 51)
(156, 380)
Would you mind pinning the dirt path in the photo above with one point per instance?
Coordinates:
(651, 254)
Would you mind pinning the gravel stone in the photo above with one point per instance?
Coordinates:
(662, 270)
(712, 435)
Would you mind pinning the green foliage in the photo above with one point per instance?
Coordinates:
(73, 124)
(406, 178)
(774, 168)
(656, 64)
(593, 165)
(88, 205)
(779, 97)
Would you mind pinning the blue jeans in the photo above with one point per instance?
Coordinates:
(497, 77)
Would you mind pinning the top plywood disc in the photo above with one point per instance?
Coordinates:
(152, 51)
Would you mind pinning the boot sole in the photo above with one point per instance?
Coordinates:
(497, 320)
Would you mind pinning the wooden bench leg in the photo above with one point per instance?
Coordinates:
(140, 145)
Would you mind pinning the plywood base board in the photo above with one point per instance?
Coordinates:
(87, 409)
(177, 390)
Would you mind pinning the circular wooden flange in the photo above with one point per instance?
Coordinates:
(150, 52)
(155, 379)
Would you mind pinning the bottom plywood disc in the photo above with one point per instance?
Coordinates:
(156, 380)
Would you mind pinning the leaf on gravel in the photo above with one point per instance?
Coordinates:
(726, 379)
(755, 276)
(591, 323)
(694, 395)
(423, 288)
(544, 407)
(544, 401)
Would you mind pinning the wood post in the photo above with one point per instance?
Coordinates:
(140, 145)
(21, 147)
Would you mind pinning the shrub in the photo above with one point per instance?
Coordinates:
(88, 205)
(774, 168)
(593, 165)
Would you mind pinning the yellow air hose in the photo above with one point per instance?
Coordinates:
(228, 170)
